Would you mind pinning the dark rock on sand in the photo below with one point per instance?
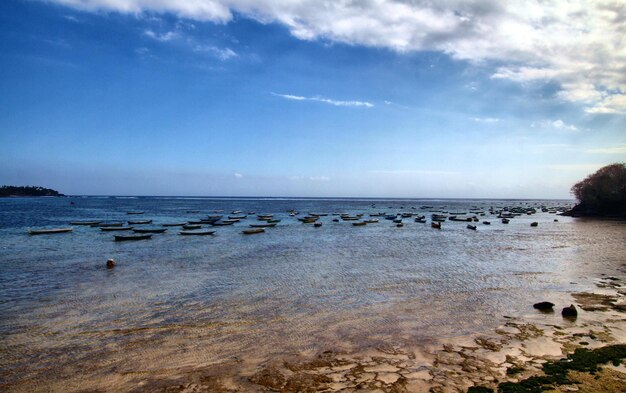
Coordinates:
(270, 377)
(305, 382)
(569, 312)
(544, 306)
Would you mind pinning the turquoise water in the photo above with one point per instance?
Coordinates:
(207, 299)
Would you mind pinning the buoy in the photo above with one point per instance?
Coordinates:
(110, 264)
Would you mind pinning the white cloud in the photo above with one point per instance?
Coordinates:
(310, 178)
(221, 53)
(326, 100)
(319, 178)
(412, 172)
(578, 44)
(238, 175)
(164, 37)
(485, 119)
(609, 150)
(554, 124)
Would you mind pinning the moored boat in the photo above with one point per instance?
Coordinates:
(119, 238)
(141, 222)
(109, 229)
(486, 222)
(108, 224)
(135, 212)
(49, 231)
(360, 223)
(196, 233)
(253, 231)
(472, 227)
(85, 222)
(436, 225)
(534, 224)
(262, 225)
(192, 226)
(149, 230)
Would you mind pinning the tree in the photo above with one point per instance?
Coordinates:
(602, 193)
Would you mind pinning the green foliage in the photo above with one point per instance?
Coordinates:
(479, 389)
(7, 191)
(603, 192)
(582, 359)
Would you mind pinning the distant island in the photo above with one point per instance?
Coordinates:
(27, 191)
(602, 194)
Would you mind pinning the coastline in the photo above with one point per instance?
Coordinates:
(514, 351)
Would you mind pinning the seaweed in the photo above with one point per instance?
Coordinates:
(556, 372)
(479, 389)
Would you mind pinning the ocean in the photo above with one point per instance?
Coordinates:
(189, 301)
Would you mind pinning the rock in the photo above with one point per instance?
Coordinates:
(111, 264)
(544, 306)
(569, 312)
(270, 377)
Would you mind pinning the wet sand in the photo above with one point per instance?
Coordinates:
(512, 352)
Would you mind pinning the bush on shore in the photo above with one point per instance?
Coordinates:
(602, 193)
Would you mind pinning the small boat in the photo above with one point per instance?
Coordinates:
(236, 212)
(472, 227)
(421, 220)
(237, 217)
(398, 221)
(371, 221)
(85, 222)
(264, 217)
(174, 224)
(487, 222)
(196, 233)
(222, 223)
(436, 225)
(455, 218)
(359, 224)
(195, 222)
(193, 211)
(335, 220)
(149, 230)
(262, 225)
(109, 229)
(505, 220)
(135, 212)
(108, 224)
(534, 224)
(317, 224)
(273, 221)
(119, 238)
(253, 231)
(192, 226)
(49, 231)
(399, 225)
(349, 218)
(141, 222)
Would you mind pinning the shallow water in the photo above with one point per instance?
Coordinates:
(176, 301)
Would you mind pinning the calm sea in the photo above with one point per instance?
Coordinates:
(176, 301)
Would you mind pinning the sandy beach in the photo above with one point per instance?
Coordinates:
(515, 351)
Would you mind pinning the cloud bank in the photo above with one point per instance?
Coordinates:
(578, 44)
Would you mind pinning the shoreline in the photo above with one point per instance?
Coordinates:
(513, 352)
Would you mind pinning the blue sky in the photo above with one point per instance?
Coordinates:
(292, 98)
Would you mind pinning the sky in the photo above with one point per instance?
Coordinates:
(371, 98)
